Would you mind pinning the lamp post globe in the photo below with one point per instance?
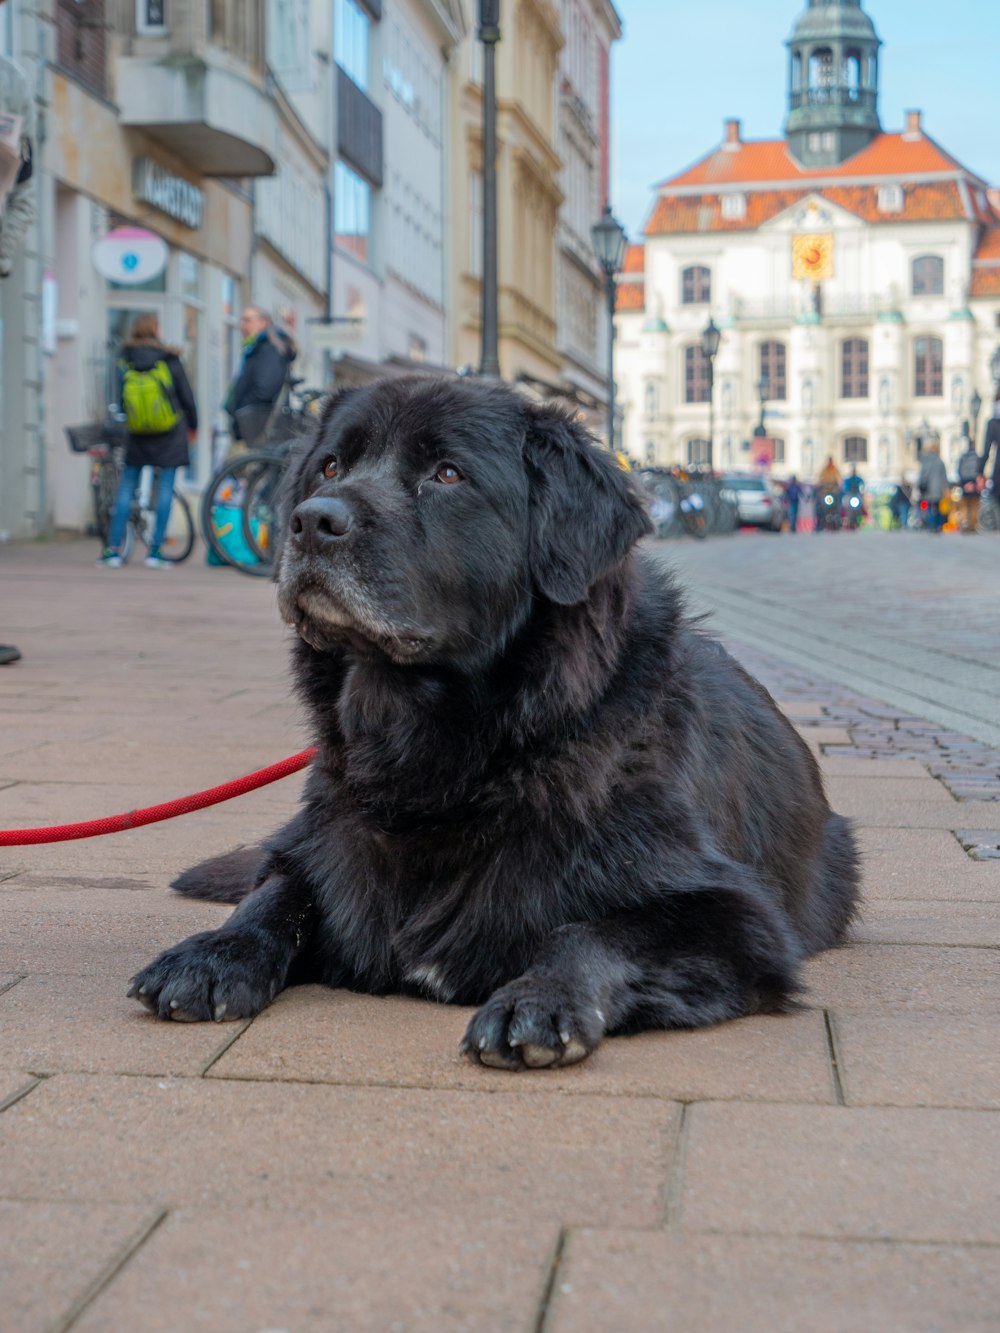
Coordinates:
(609, 241)
(710, 339)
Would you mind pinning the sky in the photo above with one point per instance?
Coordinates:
(684, 66)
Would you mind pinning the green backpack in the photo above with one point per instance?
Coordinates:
(148, 400)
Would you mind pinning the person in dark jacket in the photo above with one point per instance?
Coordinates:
(267, 354)
(144, 355)
(991, 440)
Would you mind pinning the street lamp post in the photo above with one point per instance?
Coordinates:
(763, 386)
(609, 239)
(489, 35)
(710, 338)
(975, 403)
(995, 372)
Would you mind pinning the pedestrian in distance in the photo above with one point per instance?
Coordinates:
(991, 441)
(267, 355)
(794, 494)
(899, 504)
(827, 484)
(161, 420)
(932, 485)
(970, 474)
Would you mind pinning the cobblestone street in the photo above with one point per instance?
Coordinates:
(334, 1165)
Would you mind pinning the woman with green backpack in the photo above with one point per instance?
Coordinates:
(161, 419)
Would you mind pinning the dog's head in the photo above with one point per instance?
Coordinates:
(426, 517)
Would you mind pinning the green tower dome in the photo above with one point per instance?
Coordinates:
(833, 83)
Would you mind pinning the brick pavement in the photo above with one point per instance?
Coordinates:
(333, 1165)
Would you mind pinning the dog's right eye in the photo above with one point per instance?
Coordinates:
(330, 468)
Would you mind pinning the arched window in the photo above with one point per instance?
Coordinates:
(779, 450)
(854, 368)
(772, 369)
(651, 398)
(928, 368)
(796, 72)
(696, 285)
(852, 74)
(856, 449)
(697, 453)
(696, 374)
(928, 275)
(821, 70)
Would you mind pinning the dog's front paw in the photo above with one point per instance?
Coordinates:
(533, 1023)
(217, 975)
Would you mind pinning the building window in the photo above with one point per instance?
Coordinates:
(928, 368)
(772, 369)
(890, 199)
(651, 398)
(697, 453)
(824, 142)
(696, 375)
(350, 41)
(352, 212)
(734, 206)
(778, 447)
(855, 449)
(854, 368)
(696, 285)
(928, 275)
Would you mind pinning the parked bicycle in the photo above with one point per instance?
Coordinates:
(103, 443)
(239, 507)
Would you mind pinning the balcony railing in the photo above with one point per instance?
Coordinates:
(786, 309)
(834, 95)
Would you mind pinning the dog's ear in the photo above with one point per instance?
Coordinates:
(585, 514)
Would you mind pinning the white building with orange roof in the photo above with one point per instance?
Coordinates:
(854, 275)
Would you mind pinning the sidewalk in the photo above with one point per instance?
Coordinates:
(334, 1165)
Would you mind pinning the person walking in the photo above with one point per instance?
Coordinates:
(161, 419)
(793, 498)
(991, 441)
(932, 484)
(899, 505)
(827, 483)
(970, 470)
(267, 355)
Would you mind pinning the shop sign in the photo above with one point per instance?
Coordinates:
(130, 255)
(173, 195)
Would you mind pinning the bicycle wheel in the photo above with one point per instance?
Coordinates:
(222, 513)
(178, 544)
(260, 513)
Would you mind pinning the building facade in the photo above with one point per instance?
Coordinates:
(854, 274)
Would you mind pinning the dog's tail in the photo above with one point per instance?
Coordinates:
(223, 879)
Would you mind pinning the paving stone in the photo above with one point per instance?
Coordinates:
(52, 1254)
(51, 1024)
(902, 921)
(347, 1151)
(266, 1270)
(650, 1282)
(823, 735)
(865, 1173)
(875, 812)
(13, 1083)
(833, 766)
(882, 789)
(890, 977)
(334, 1036)
(918, 1059)
(800, 709)
(922, 863)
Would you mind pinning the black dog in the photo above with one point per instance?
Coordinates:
(539, 788)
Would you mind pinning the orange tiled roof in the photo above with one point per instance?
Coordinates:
(989, 245)
(933, 201)
(631, 296)
(635, 259)
(985, 281)
(764, 160)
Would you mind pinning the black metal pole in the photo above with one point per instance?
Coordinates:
(711, 410)
(612, 289)
(489, 35)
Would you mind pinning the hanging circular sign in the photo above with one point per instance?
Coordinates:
(130, 256)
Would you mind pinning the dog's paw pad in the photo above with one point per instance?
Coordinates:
(538, 1057)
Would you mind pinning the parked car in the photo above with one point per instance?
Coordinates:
(758, 504)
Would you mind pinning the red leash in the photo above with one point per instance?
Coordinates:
(93, 828)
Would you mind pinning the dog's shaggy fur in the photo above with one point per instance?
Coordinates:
(540, 789)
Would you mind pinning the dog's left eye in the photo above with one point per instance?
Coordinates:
(330, 468)
(448, 474)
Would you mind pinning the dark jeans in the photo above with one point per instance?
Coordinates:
(793, 517)
(123, 505)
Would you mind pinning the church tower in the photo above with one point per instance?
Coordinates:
(833, 83)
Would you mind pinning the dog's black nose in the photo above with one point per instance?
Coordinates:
(319, 521)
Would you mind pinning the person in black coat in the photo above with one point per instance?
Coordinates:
(991, 440)
(267, 354)
(166, 449)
